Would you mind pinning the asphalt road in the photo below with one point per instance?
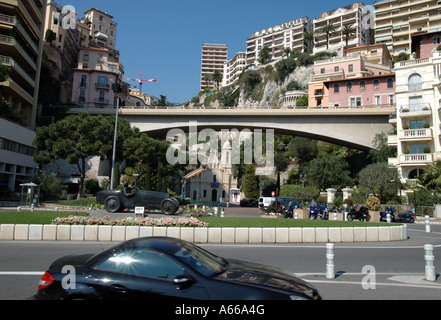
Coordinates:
(396, 268)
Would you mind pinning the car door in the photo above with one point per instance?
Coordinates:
(144, 274)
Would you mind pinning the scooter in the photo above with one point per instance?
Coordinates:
(358, 215)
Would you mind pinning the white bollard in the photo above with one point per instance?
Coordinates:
(430, 258)
(388, 218)
(32, 207)
(296, 216)
(330, 273)
(427, 224)
(335, 216)
(56, 209)
(222, 213)
(18, 209)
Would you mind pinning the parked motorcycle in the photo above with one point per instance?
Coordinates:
(288, 211)
(323, 214)
(406, 217)
(383, 215)
(360, 215)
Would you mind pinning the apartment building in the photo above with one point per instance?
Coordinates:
(21, 38)
(233, 68)
(417, 120)
(397, 20)
(286, 35)
(356, 15)
(213, 58)
(363, 77)
(98, 65)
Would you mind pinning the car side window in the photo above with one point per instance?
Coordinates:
(144, 263)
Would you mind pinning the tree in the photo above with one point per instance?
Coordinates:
(73, 139)
(251, 183)
(347, 32)
(217, 77)
(380, 180)
(382, 151)
(432, 178)
(329, 172)
(309, 37)
(264, 55)
(327, 31)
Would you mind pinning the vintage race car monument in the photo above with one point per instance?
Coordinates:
(118, 200)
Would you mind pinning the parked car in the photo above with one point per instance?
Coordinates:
(118, 200)
(164, 267)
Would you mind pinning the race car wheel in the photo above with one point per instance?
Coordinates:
(168, 206)
(112, 204)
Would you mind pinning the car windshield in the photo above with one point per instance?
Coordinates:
(200, 260)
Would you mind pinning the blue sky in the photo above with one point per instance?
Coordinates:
(163, 38)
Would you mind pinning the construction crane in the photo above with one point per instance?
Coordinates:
(140, 80)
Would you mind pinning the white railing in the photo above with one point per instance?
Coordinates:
(416, 133)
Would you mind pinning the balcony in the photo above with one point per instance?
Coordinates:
(101, 101)
(416, 135)
(417, 110)
(416, 159)
(102, 85)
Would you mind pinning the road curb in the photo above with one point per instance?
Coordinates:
(79, 233)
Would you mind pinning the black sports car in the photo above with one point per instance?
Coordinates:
(167, 268)
(118, 200)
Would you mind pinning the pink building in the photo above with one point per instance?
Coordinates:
(363, 77)
(378, 90)
(98, 66)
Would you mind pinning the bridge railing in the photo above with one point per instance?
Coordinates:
(237, 107)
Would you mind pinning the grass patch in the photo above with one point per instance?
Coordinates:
(217, 222)
(36, 217)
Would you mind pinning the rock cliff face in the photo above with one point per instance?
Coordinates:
(272, 89)
(265, 94)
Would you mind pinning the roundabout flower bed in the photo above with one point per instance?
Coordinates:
(142, 222)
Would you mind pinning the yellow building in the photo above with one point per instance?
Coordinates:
(397, 20)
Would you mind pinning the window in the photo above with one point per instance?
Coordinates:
(351, 68)
(391, 99)
(349, 86)
(102, 82)
(336, 69)
(142, 262)
(336, 88)
(362, 85)
(416, 124)
(390, 83)
(415, 82)
(83, 82)
(355, 102)
(377, 100)
(417, 149)
(376, 84)
(322, 70)
(437, 40)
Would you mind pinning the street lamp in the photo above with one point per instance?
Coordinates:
(117, 88)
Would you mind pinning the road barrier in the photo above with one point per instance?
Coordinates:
(203, 235)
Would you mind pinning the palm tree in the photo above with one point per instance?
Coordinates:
(217, 77)
(309, 37)
(207, 79)
(432, 178)
(264, 55)
(327, 30)
(347, 32)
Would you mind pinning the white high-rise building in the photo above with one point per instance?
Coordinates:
(286, 35)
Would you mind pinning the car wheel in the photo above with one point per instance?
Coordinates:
(349, 217)
(112, 204)
(168, 206)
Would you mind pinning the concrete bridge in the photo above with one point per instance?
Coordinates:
(350, 127)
